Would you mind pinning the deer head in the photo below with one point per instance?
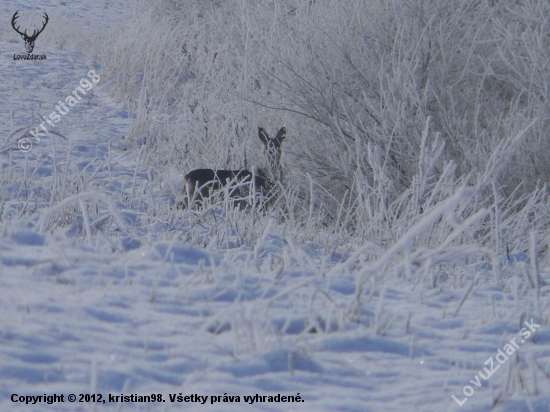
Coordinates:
(272, 148)
(29, 40)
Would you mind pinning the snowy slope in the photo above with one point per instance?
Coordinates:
(135, 312)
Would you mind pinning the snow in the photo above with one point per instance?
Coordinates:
(144, 313)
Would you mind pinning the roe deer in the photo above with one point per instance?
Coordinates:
(199, 184)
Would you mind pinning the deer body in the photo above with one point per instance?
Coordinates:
(201, 183)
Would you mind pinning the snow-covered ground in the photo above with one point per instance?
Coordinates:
(134, 311)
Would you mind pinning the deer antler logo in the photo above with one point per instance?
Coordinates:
(29, 40)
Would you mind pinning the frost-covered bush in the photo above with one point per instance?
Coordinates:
(353, 81)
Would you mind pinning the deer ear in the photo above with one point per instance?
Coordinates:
(263, 136)
(281, 135)
(23, 36)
